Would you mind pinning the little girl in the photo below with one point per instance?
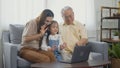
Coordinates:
(52, 41)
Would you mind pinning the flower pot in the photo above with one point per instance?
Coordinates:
(115, 63)
(115, 37)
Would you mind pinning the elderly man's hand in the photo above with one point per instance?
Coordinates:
(79, 43)
(82, 42)
(63, 46)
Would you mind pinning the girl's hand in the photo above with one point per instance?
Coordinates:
(53, 48)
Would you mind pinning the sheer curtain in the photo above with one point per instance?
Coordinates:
(19, 11)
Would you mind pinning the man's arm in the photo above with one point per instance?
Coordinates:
(82, 42)
(83, 35)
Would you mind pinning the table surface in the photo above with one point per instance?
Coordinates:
(87, 64)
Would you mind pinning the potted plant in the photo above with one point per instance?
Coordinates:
(114, 55)
(116, 35)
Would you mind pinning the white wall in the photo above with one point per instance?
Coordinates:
(1, 64)
(0, 16)
(90, 20)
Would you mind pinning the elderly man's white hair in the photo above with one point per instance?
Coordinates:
(66, 8)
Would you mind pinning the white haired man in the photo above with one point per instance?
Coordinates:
(73, 32)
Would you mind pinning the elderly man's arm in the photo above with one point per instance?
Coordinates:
(83, 35)
(82, 42)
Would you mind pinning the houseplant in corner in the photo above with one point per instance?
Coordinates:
(114, 55)
(116, 35)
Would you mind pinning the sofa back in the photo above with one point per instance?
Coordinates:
(16, 31)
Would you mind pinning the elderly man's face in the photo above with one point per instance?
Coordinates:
(68, 16)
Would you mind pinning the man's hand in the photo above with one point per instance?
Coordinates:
(79, 43)
(82, 42)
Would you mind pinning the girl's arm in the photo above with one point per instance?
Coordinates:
(60, 43)
(44, 45)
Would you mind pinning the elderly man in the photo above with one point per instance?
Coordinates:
(73, 32)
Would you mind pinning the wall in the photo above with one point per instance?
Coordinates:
(1, 63)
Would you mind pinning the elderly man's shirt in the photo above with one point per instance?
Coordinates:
(71, 34)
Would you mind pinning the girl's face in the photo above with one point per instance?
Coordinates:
(54, 28)
(48, 20)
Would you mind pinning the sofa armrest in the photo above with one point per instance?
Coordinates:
(100, 47)
(10, 51)
(10, 55)
(5, 36)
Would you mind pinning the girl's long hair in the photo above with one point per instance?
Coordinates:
(41, 21)
(48, 31)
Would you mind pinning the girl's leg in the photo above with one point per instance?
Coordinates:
(59, 57)
(33, 55)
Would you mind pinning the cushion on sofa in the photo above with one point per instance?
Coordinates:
(16, 33)
(95, 56)
(23, 63)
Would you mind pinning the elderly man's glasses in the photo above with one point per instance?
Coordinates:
(69, 16)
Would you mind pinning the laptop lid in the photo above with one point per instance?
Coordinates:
(81, 53)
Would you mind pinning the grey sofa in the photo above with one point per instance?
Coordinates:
(99, 50)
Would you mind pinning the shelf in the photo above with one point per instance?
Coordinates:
(113, 17)
(110, 40)
(110, 16)
(110, 28)
(103, 7)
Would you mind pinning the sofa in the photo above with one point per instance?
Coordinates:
(11, 40)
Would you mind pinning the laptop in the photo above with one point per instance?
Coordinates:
(80, 54)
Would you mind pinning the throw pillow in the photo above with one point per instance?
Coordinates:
(16, 31)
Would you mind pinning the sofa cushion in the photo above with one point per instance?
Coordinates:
(23, 63)
(95, 56)
(16, 33)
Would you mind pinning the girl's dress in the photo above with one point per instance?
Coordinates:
(53, 40)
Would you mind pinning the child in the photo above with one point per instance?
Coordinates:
(52, 41)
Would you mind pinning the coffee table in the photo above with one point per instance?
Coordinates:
(87, 64)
